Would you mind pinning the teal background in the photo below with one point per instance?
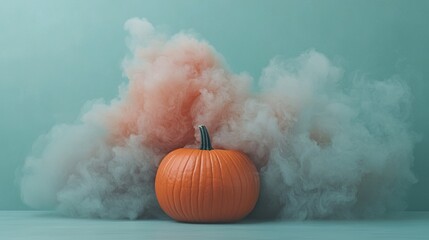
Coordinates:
(57, 54)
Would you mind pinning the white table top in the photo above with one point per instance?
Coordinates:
(37, 225)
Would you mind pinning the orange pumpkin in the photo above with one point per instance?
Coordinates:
(206, 185)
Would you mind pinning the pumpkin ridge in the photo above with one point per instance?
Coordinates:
(241, 165)
(221, 182)
(248, 177)
(227, 168)
(250, 173)
(184, 211)
(166, 171)
(207, 197)
(213, 187)
(246, 180)
(167, 196)
(234, 158)
(192, 182)
(199, 185)
(178, 209)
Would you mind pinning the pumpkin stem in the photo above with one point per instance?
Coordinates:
(205, 138)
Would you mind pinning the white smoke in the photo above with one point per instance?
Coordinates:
(323, 150)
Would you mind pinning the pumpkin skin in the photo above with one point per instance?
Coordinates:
(206, 185)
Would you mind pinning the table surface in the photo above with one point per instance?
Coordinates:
(37, 225)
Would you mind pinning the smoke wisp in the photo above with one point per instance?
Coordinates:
(323, 150)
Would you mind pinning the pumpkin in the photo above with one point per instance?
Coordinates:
(206, 184)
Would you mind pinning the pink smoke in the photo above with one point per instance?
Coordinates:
(321, 151)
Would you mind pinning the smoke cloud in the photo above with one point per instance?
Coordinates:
(324, 149)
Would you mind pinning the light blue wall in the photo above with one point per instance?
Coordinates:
(57, 54)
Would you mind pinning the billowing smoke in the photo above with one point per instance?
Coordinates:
(325, 148)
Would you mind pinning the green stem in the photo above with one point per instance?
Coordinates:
(205, 138)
